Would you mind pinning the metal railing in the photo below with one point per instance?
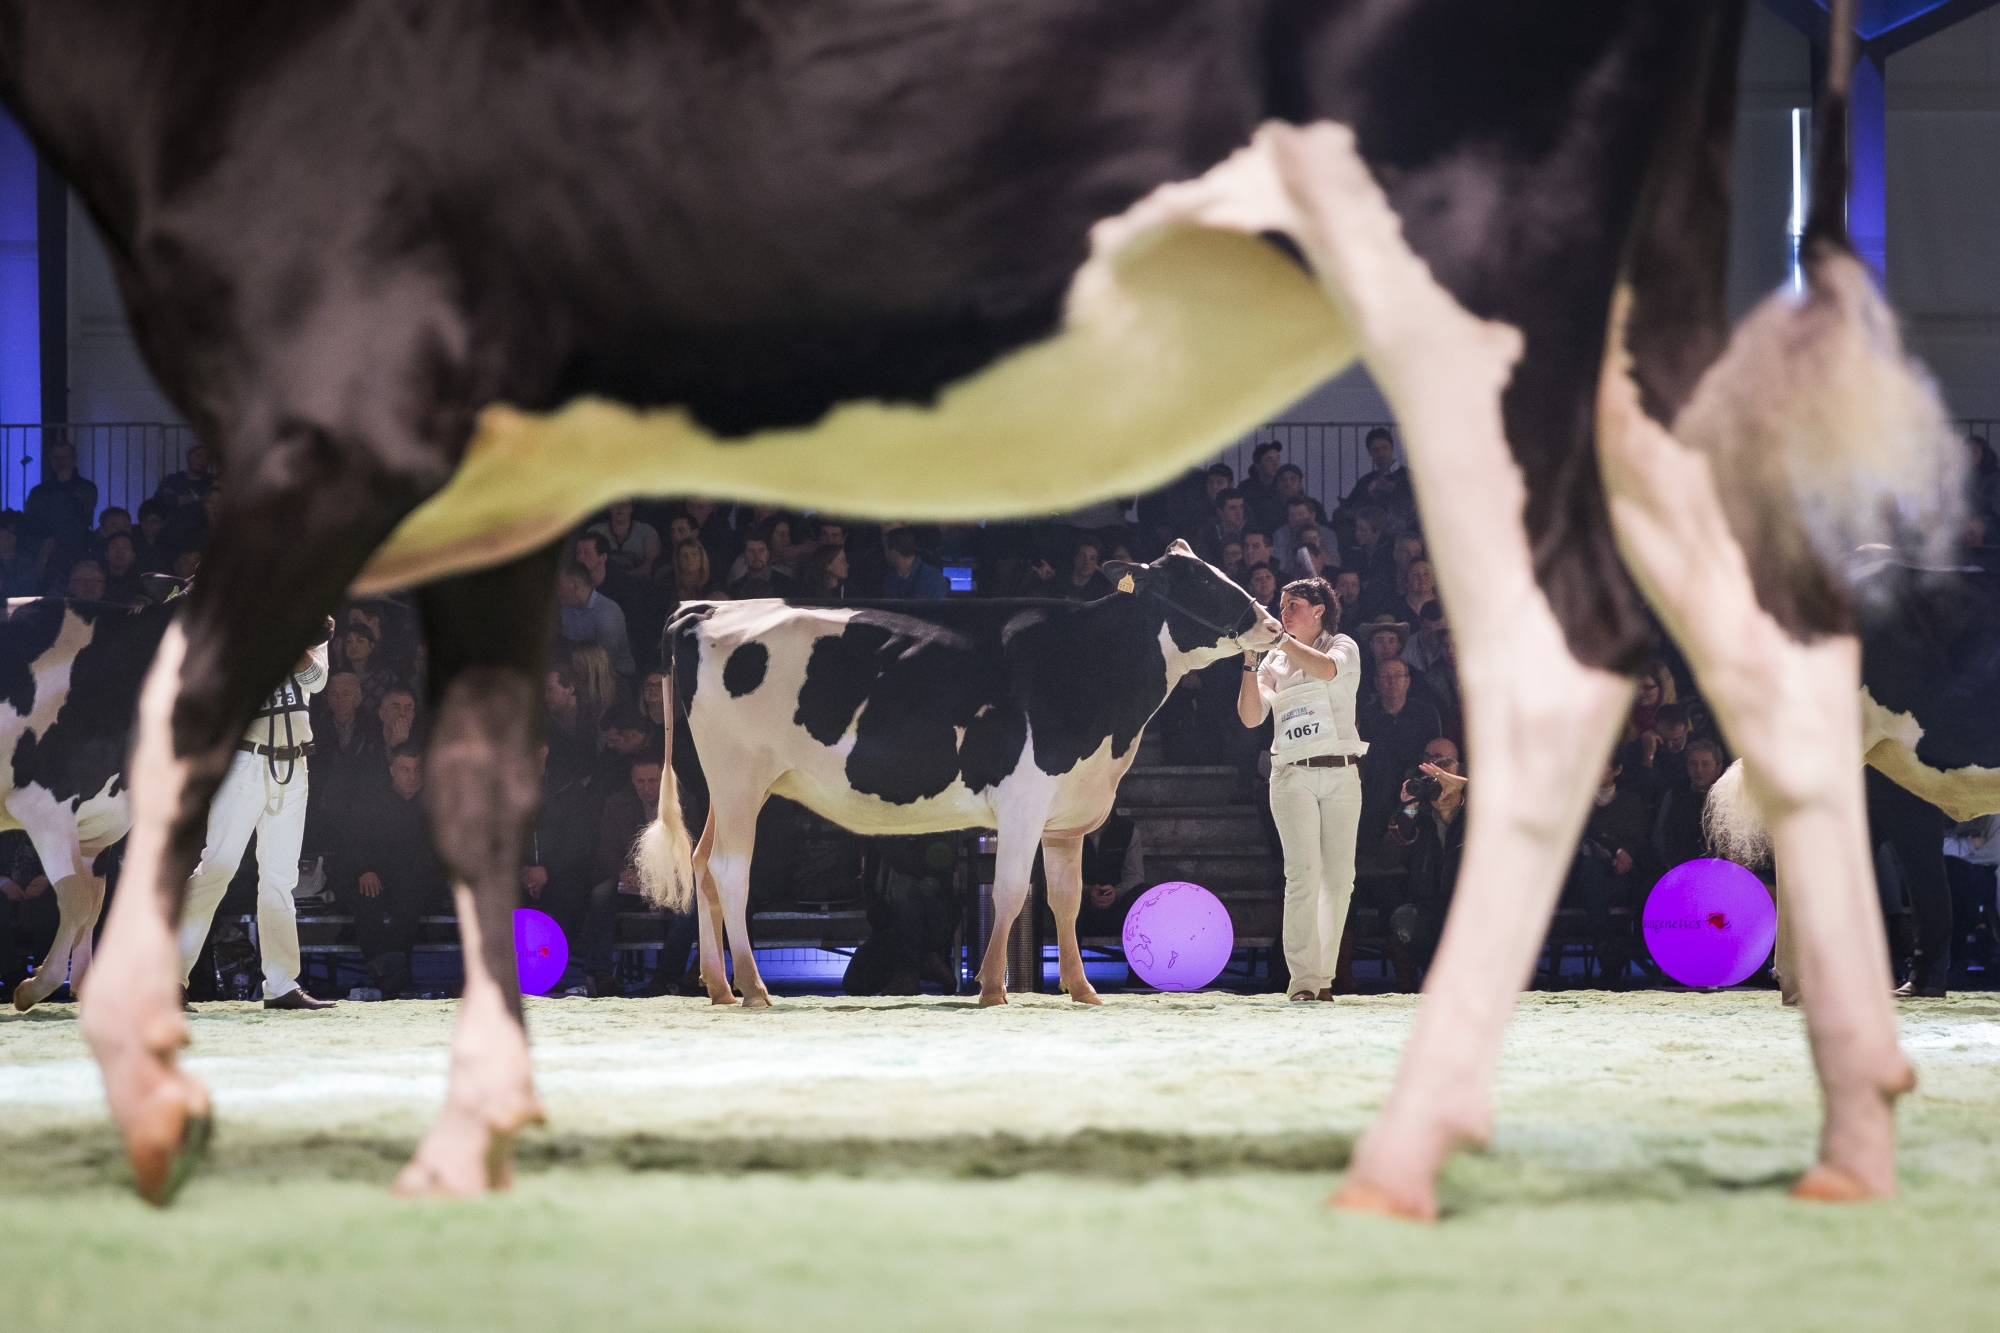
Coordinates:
(1329, 453)
(127, 459)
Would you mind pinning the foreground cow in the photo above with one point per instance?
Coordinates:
(69, 683)
(920, 717)
(436, 280)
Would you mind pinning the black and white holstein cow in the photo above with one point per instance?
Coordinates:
(70, 674)
(438, 280)
(919, 717)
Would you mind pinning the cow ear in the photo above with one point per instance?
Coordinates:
(1180, 547)
(1126, 575)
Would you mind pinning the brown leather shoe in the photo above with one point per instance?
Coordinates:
(296, 998)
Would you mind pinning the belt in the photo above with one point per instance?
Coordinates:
(1327, 761)
(284, 753)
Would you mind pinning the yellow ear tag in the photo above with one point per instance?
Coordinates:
(1125, 584)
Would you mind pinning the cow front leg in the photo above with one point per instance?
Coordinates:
(1062, 864)
(480, 792)
(1013, 872)
(1792, 710)
(708, 920)
(297, 524)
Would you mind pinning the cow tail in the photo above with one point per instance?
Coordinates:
(1731, 820)
(665, 856)
(1824, 435)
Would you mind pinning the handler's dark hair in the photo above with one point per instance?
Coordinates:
(1320, 593)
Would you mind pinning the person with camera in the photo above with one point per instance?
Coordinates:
(1430, 823)
(1309, 682)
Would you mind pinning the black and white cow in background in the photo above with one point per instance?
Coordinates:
(69, 683)
(1930, 724)
(921, 717)
(435, 281)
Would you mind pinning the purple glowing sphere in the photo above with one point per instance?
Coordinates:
(1710, 923)
(1178, 936)
(541, 950)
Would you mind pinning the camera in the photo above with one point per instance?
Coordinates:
(1424, 787)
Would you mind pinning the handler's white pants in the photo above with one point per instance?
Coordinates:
(1318, 812)
(250, 801)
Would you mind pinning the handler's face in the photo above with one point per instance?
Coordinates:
(1300, 617)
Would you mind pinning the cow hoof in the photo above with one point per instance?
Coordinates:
(757, 1000)
(1830, 1184)
(168, 1138)
(464, 1156)
(24, 996)
(1084, 994)
(723, 996)
(989, 998)
(1358, 1196)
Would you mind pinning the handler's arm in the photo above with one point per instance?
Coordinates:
(1318, 665)
(1252, 702)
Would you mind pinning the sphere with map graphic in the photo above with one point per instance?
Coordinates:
(1178, 936)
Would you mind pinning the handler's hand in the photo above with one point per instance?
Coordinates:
(534, 879)
(371, 884)
(1102, 895)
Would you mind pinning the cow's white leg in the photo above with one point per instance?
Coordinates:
(1013, 874)
(1792, 710)
(51, 827)
(78, 898)
(708, 919)
(733, 817)
(131, 1012)
(1062, 864)
(1538, 722)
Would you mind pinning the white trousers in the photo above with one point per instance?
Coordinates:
(251, 801)
(1318, 813)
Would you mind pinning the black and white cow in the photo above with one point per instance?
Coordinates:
(920, 717)
(69, 683)
(437, 280)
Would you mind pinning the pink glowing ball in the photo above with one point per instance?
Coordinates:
(541, 950)
(1178, 936)
(1710, 923)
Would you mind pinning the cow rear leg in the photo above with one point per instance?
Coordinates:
(708, 920)
(480, 792)
(1792, 710)
(296, 526)
(79, 898)
(1062, 863)
(733, 819)
(1013, 870)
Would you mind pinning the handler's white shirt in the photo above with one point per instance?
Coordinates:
(285, 719)
(1315, 717)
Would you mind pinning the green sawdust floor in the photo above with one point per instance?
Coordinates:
(887, 1165)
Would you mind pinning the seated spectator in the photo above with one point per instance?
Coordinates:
(86, 581)
(1086, 581)
(1971, 850)
(149, 538)
(191, 485)
(1384, 640)
(185, 564)
(1370, 555)
(113, 520)
(1656, 687)
(1263, 585)
(1678, 835)
(598, 688)
(396, 716)
(396, 879)
(1114, 875)
(1421, 652)
(824, 576)
(1655, 763)
(622, 737)
(1219, 478)
(588, 616)
(1257, 548)
(1301, 528)
(627, 812)
(760, 578)
(914, 912)
(29, 914)
(572, 740)
(20, 572)
(1261, 499)
(555, 875)
(56, 519)
(1383, 589)
(1432, 827)
(691, 579)
(1232, 564)
(1347, 588)
(121, 571)
(653, 703)
(1292, 486)
(1397, 723)
(346, 750)
(1611, 871)
(1420, 589)
(712, 529)
(1035, 577)
(909, 576)
(1387, 486)
(1230, 522)
(358, 646)
(633, 546)
(639, 599)
(188, 526)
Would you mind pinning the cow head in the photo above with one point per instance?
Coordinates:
(1207, 614)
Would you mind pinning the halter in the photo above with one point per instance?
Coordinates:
(1244, 623)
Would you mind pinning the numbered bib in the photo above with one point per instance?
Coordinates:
(1303, 723)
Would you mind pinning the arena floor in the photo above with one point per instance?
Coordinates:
(923, 1164)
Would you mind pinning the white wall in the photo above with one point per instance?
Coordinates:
(108, 381)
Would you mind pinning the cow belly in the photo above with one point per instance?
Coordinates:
(1183, 332)
(955, 808)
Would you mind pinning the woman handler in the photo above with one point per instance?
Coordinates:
(1310, 680)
